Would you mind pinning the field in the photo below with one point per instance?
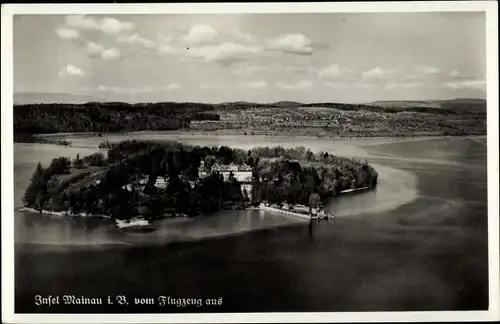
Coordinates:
(327, 121)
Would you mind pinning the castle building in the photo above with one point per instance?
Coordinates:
(243, 173)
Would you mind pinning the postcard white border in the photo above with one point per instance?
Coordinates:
(491, 9)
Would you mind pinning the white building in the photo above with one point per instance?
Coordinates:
(245, 187)
(242, 173)
(159, 183)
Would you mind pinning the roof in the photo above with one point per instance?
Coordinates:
(227, 168)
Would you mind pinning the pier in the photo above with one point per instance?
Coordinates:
(284, 212)
(320, 215)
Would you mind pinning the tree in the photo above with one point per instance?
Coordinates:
(41, 199)
(53, 193)
(36, 187)
(309, 155)
(250, 161)
(78, 163)
(293, 193)
(314, 201)
(209, 162)
(96, 159)
(245, 195)
(58, 166)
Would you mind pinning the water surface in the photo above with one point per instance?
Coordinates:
(417, 242)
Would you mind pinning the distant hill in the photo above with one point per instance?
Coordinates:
(465, 100)
(287, 104)
(27, 98)
(406, 104)
(465, 105)
(451, 106)
(229, 103)
(459, 104)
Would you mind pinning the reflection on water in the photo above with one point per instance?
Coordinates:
(395, 188)
(80, 231)
(416, 242)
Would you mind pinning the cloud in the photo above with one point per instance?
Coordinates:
(391, 86)
(394, 85)
(136, 40)
(71, 70)
(454, 73)
(113, 26)
(207, 86)
(330, 71)
(411, 85)
(110, 54)
(170, 50)
(300, 85)
(466, 84)
(291, 43)
(330, 84)
(202, 43)
(82, 22)
(203, 35)
(253, 84)
(67, 33)
(365, 85)
(173, 86)
(200, 34)
(248, 69)
(110, 26)
(242, 37)
(225, 53)
(139, 89)
(426, 70)
(335, 72)
(423, 71)
(300, 69)
(97, 50)
(94, 49)
(143, 89)
(377, 74)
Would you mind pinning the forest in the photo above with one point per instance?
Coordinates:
(106, 117)
(293, 175)
(32, 138)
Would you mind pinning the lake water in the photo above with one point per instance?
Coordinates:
(417, 242)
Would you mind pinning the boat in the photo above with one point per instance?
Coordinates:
(323, 215)
(135, 224)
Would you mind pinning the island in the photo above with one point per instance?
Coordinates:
(147, 180)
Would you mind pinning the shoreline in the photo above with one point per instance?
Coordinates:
(25, 209)
(236, 133)
(140, 221)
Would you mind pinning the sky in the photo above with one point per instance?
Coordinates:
(317, 57)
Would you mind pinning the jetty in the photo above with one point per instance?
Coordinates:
(293, 213)
(301, 211)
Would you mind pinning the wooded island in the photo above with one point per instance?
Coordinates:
(155, 179)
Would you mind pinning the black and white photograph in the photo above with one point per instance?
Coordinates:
(228, 161)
